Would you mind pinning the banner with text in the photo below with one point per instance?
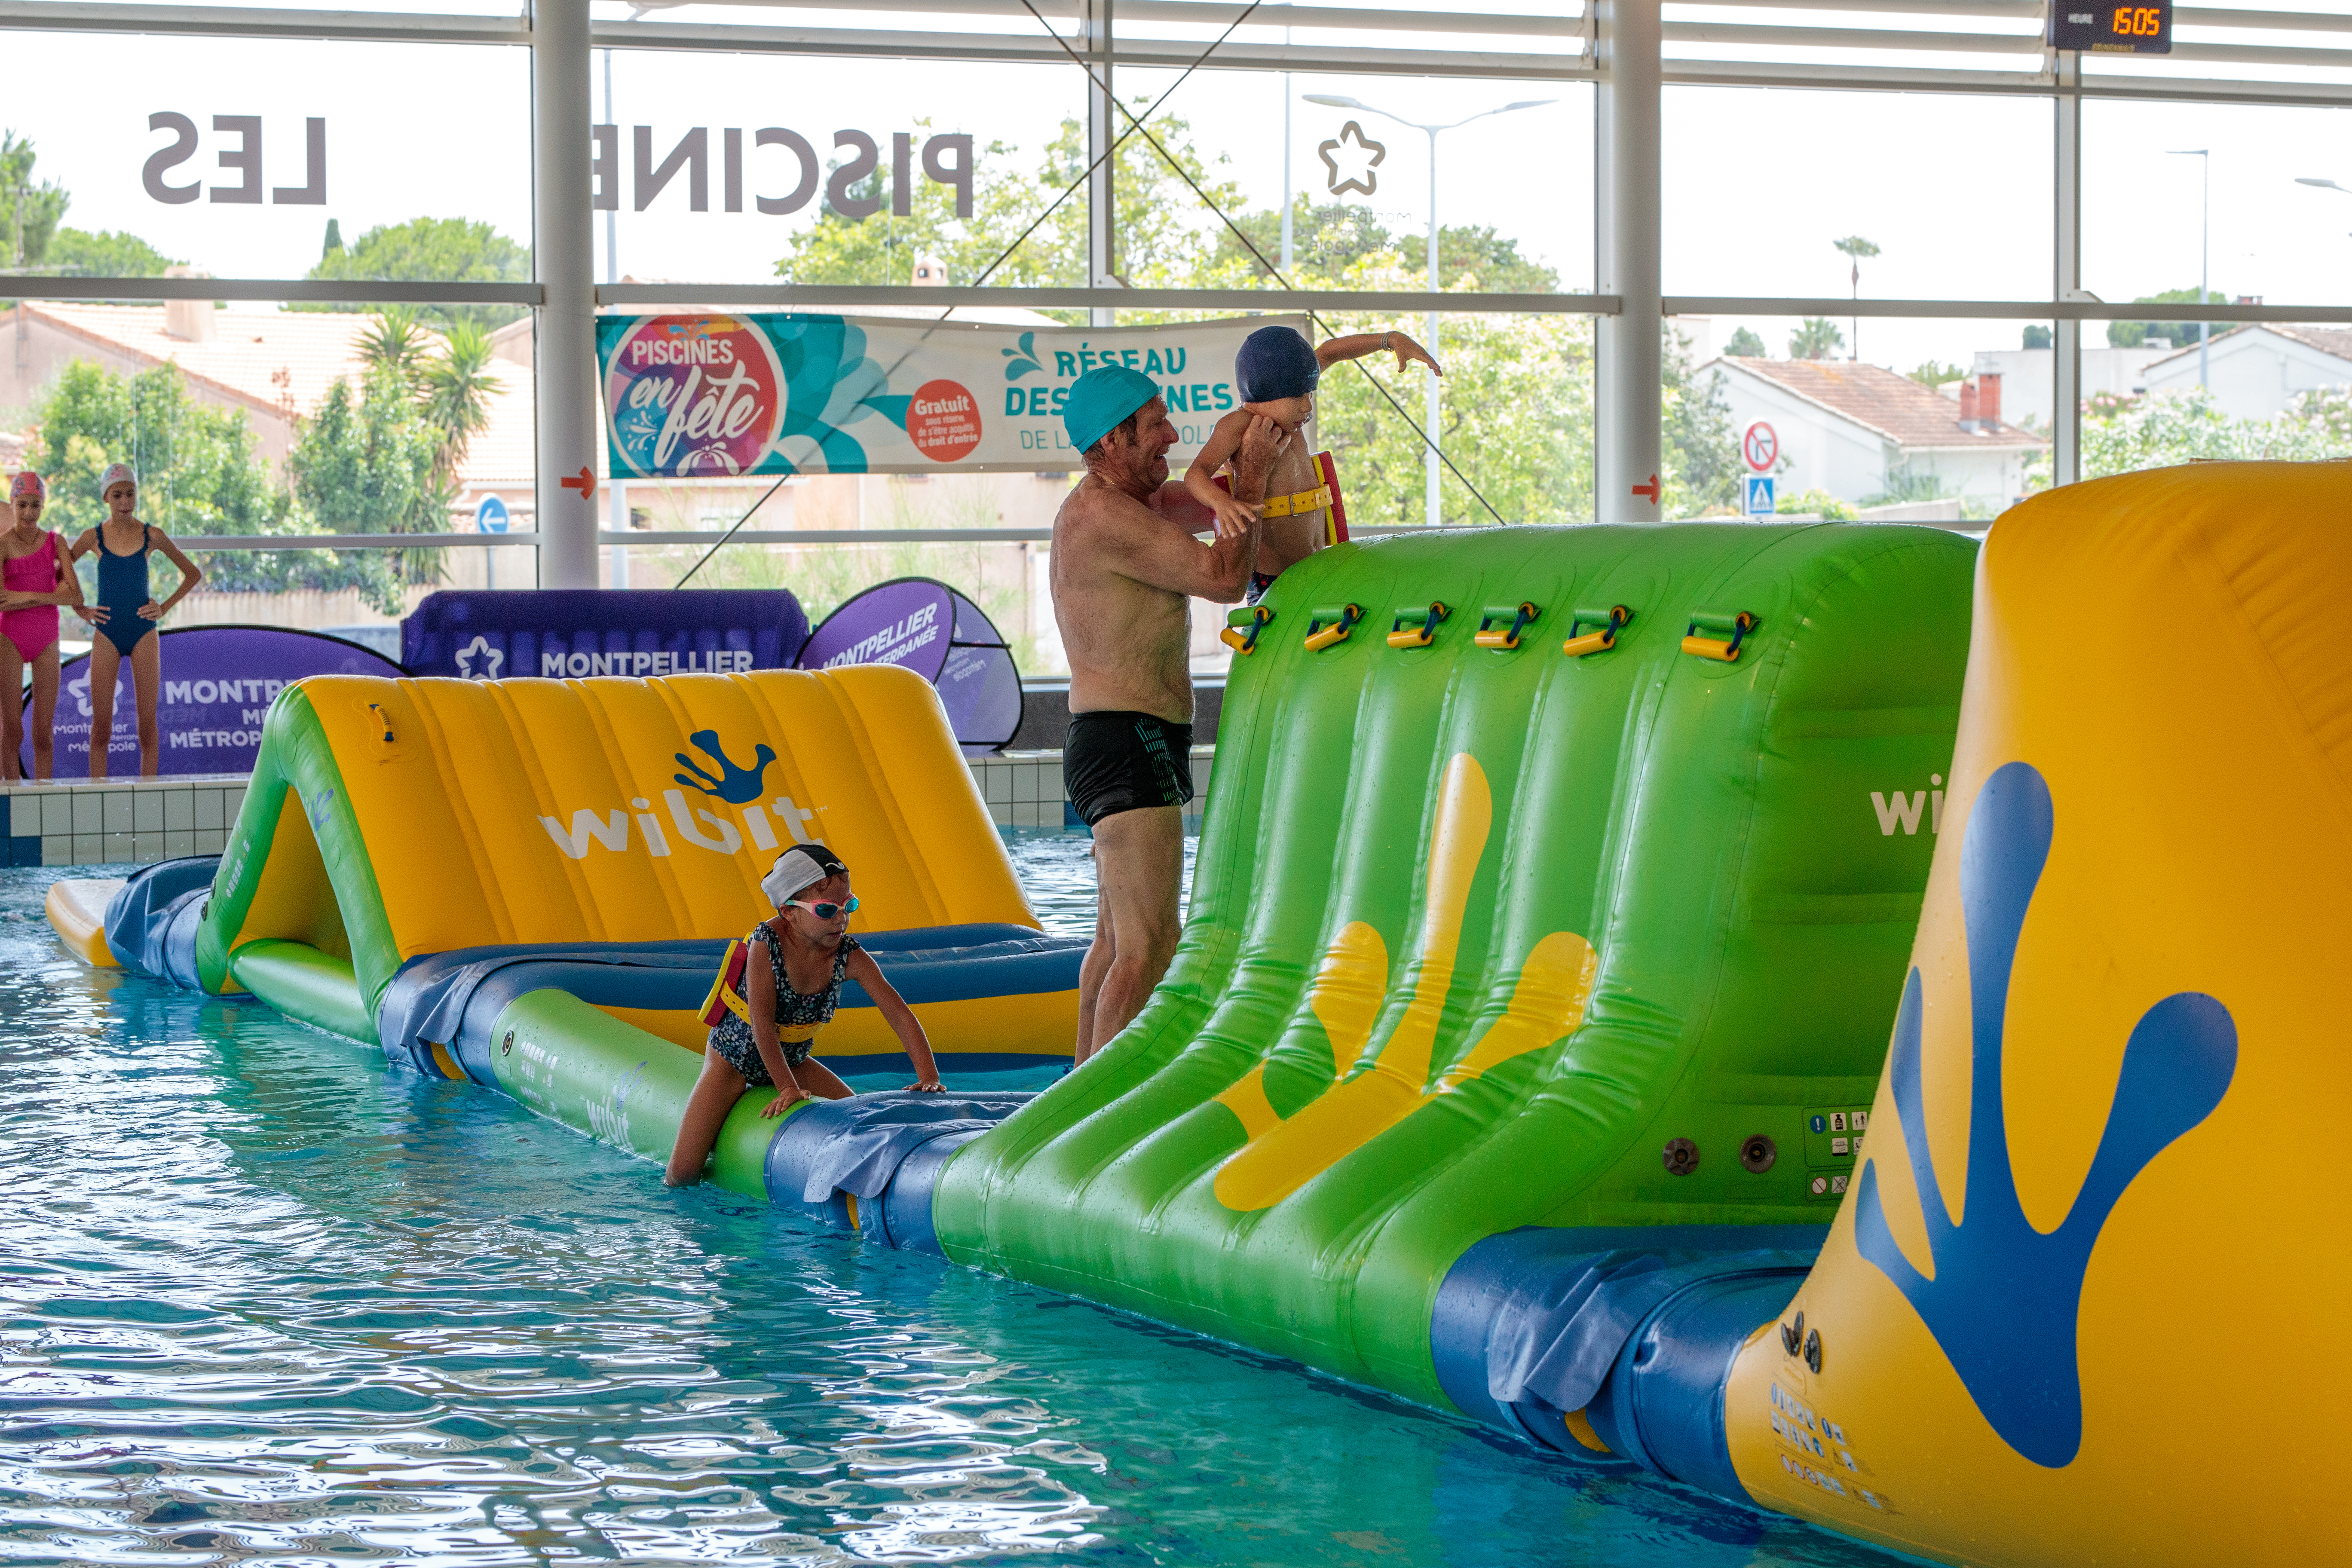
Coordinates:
(703, 396)
(219, 682)
(575, 632)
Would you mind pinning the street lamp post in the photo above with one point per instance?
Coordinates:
(2204, 260)
(1433, 512)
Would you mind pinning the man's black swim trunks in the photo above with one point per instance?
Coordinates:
(1259, 583)
(1116, 762)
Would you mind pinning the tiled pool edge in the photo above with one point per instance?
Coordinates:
(77, 822)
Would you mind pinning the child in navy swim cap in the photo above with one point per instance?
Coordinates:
(1275, 372)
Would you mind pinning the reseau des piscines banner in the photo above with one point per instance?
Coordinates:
(705, 397)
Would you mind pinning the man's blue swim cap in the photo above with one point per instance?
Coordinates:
(1275, 363)
(1099, 399)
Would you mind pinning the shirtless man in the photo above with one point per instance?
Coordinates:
(1124, 563)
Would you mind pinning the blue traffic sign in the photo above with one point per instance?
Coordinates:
(490, 516)
(1759, 494)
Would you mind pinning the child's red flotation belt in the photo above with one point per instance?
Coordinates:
(727, 991)
(1328, 469)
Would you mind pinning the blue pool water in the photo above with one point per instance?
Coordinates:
(263, 1300)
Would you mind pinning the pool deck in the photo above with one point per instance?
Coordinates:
(129, 821)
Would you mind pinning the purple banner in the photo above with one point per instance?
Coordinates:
(931, 629)
(219, 682)
(573, 633)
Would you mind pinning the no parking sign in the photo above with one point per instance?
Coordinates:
(1761, 446)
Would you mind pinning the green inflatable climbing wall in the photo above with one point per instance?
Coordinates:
(1511, 916)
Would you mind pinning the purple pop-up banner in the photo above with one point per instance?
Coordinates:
(219, 682)
(928, 628)
(498, 634)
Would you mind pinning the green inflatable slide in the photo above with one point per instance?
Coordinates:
(1551, 878)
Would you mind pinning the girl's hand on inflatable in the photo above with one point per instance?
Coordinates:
(786, 1098)
(927, 1085)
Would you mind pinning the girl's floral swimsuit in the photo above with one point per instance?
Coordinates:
(798, 1017)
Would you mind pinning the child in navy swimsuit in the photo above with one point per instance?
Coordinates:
(124, 613)
(806, 945)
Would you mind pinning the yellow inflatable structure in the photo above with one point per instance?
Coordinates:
(2073, 1309)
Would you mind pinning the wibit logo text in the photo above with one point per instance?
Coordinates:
(1905, 811)
(722, 833)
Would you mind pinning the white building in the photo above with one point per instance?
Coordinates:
(2256, 371)
(1847, 428)
(2028, 377)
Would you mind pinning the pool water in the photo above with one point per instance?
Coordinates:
(263, 1300)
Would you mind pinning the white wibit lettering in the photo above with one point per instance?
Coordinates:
(611, 832)
(728, 842)
(1903, 808)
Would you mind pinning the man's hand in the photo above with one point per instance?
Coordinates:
(1407, 350)
(1260, 443)
(1233, 517)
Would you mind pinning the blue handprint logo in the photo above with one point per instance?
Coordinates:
(1025, 363)
(2004, 1300)
(735, 785)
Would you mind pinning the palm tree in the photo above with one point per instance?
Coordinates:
(397, 342)
(1816, 337)
(454, 391)
(1856, 247)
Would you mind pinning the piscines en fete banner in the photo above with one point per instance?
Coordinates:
(707, 396)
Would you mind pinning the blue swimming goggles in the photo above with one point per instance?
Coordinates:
(824, 911)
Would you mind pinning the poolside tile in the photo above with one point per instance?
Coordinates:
(147, 848)
(56, 849)
(24, 811)
(208, 809)
(211, 841)
(118, 808)
(180, 811)
(89, 849)
(119, 848)
(57, 814)
(179, 844)
(147, 811)
(88, 812)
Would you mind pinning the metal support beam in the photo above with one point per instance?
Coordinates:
(1627, 396)
(563, 249)
(2066, 361)
(1102, 134)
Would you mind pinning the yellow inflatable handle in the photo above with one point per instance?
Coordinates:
(1725, 648)
(1329, 624)
(1521, 617)
(1578, 645)
(1242, 628)
(1402, 636)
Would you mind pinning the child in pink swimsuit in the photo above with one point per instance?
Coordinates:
(36, 577)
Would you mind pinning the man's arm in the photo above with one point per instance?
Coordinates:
(1139, 542)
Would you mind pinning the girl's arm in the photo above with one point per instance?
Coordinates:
(1356, 345)
(68, 585)
(1200, 479)
(190, 575)
(94, 614)
(901, 1019)
(760, 990)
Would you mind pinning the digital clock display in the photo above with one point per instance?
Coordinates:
(2110, 28)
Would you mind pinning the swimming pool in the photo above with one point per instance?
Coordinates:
(262, 1299)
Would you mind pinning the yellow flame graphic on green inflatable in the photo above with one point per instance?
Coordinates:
(1554, 983)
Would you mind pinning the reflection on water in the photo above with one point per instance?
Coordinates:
(1057, 870)
(263, 1298)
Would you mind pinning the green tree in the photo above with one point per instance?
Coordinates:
(1745, 344)
(1829, 508)
(1701, 450)
(2038, 336)
(109, 253)
(2124, 435)
(1817, 337)
(397, 344)
(199, 470)
(454, 389)
(366, 463)
(2132, 334)
(437, 250)
(1931, 373)
(30, 213)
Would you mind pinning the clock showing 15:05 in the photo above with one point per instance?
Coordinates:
(2112, 26)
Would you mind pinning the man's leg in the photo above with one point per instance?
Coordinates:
(1092, 968)
(1138, 858)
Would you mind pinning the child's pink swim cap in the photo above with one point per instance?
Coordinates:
(26, 484)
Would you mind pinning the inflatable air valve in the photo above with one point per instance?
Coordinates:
(1402, 636)
(1521, 617)
(1329, 624)
(1735, 626)
(1581, 642)
(1242, 628)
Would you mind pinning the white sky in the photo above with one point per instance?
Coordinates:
(1956, 191)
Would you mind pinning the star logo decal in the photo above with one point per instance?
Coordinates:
(1361, 154)
(491, 660)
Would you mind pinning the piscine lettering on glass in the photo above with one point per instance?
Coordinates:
(947, 160)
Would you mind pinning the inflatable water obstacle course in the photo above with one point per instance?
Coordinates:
(1528, 1052)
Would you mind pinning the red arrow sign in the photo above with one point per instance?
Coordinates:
(585, 483)
(1652, 489)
